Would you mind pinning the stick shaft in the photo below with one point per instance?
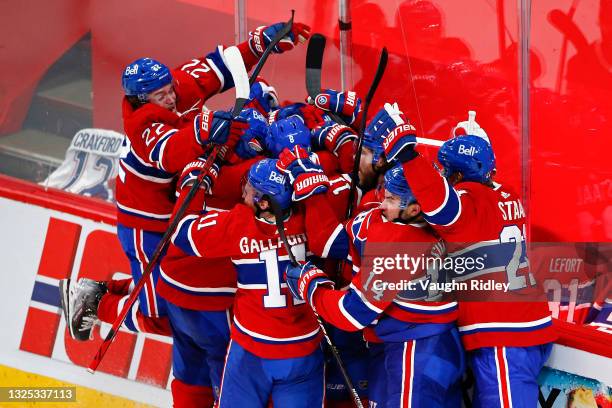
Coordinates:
(380, 70)
(280, 225)
(239, 104)
(95, 362)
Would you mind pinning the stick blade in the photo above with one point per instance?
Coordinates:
(314, 63)
(235, 64)
(316, 49)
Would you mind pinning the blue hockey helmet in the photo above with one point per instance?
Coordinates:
(374, 143)
(144, 76)
(395, 183)
(287, 133)
(470, 155)
(268, 181)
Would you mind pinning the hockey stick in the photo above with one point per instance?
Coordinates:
(568, 27)
(279, 36)
(127, 306)
(563, 52)
(564, 23)
(380, 70)
(314, 63)
(280, 225)
(235, 64)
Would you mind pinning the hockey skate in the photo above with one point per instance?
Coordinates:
(80, 305)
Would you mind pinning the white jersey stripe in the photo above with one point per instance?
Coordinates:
(507, 377)
(505, 324)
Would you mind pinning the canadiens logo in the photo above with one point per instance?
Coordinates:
(322, 99)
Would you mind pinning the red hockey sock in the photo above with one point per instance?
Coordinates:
(119, 287)
(154, 325)
(107, 308)
(191, 396)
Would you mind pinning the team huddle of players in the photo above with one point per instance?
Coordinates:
(242, 316)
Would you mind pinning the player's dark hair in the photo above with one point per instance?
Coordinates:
(134, 101)
(266, 197)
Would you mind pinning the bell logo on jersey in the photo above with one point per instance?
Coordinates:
(277, 178)
(468, 152)
(131, 69)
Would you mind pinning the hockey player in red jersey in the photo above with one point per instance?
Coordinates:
(168, 126)
(411, 334)
(275, 340)
(508, 342)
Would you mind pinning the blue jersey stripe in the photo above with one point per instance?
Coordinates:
(132, 161)
(216, 58)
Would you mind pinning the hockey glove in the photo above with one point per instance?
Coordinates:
(385, 120)
(251, 142)
(399, 144)
(193, 170)
(216, 127)
(332, 136)
(346, 104)
(304, 279)
(306, 177)
(260, 38)
(263, 97)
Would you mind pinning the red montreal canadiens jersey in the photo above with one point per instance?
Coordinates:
(485, 222)
(268, 321)
(385, 315)
(163, 142)
(210, 284)
(569, 278)
(196, 283)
